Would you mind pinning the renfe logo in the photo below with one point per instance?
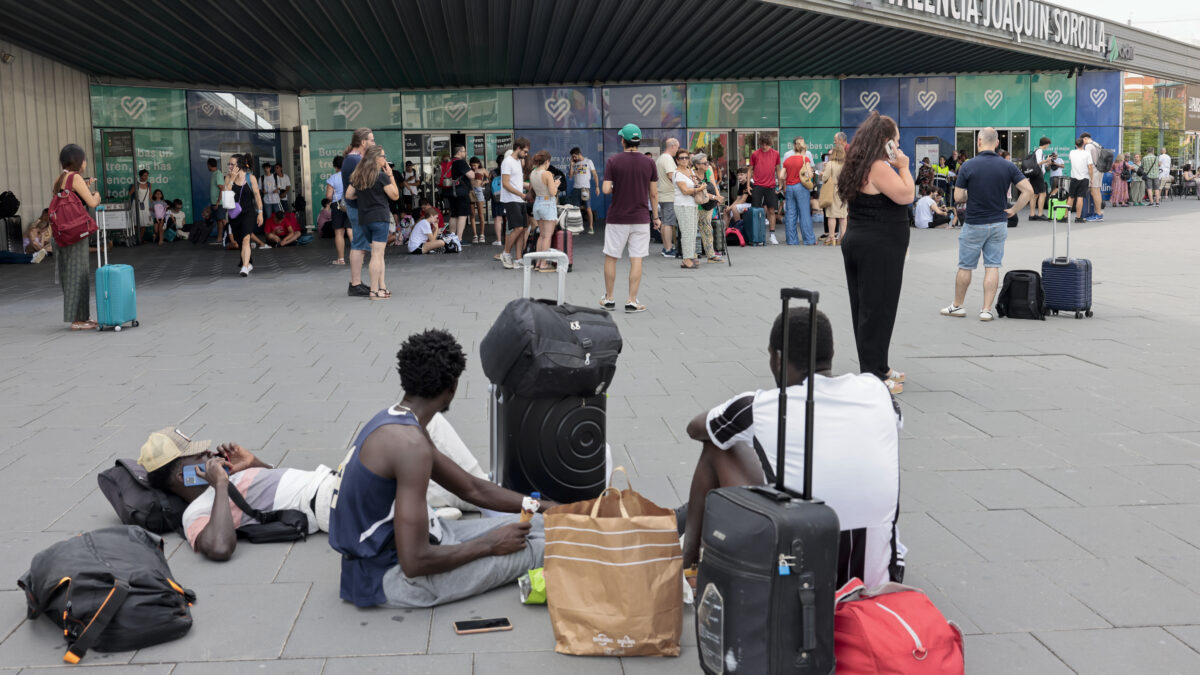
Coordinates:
(644, 103)
(1053, 97)
(809, 100)
(134, 107)
(733, 102)
(869, 99)
(993, 97)
(456, 110)
(1098, 96)
(557, 108)
(926, 99)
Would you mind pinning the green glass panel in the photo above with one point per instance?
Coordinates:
(727, 105)
(323, 146)
(1051, 100)
(992, 101)
(452, 110)
(810, 103)
(819, 140)
(351, 111)
(165, 155)
(141, 107)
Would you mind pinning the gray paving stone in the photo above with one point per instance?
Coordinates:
(1011, 654)
(1182, 568)
(531, 625)
(1178, 483)
(1117, 588)
(418, 664)
(548, 662)
(1190, 635)
(1008, 535)
(1006, 453)
(1006, 489)
(1098, 486)
(256, 564)
(130, 669)
(327, 626)
(1120, 651)
(1088, 450)
(226, 626)
(1110, 531)
(929, 542)
(280, 667)
(933, 491)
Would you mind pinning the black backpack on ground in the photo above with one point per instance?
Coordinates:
(9, 204)
(539, 349)
(128, 489)
(108, 589)
(272, 526)
(1022, 296)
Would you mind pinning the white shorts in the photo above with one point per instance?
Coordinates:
(637, 237)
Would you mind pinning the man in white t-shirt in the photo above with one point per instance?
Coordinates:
(665, 165)
(799, 145)
(270, 192)
(856, 465)
(423, 238)
(512, 198)
(1081, 173)
(284, 185)
(1164, 170)
(1095, 177)
(927, 213)
(583, 183)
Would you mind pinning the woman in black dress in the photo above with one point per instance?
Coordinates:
(246, 197)
(877, 186)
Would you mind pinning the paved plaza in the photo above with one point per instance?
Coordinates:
(1050, 495)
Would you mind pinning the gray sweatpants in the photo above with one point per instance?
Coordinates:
(471, 579)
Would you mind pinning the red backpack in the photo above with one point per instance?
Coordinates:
(69, 219)
(893, 630)
(446, 179)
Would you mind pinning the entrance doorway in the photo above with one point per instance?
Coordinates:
(715, 144)
(425, 150)
(729, 157)
(1014, 140)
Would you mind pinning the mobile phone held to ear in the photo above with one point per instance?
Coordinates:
(891, 150)
(482, 626)
(190, 478)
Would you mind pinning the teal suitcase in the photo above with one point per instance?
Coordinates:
(756, 226)
(116, 294)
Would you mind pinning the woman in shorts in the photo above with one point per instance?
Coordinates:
(373, 186)
(545, 204)
(478, 202)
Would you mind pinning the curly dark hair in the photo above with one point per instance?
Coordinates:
(429, 363)
(869, 145)
(798, 339)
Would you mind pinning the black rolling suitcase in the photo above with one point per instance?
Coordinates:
(1067, 281)
(550, 365)
(768, 563)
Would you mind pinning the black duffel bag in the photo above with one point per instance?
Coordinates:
(539, 349)
(109, 590)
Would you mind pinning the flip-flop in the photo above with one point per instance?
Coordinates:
(339, 261)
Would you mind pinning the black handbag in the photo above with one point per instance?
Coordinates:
(272, 526)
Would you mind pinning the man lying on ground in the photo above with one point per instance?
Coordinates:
(265, 488)
(395, 550)
(856, 468)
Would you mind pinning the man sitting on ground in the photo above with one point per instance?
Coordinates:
(395, 550)
(928, 213)
(282, 228)
(856, 466)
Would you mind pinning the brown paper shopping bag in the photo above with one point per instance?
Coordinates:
(613, 576)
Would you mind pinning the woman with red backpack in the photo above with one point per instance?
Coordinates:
(71, 194)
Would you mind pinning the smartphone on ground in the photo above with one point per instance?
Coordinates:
(482, 626)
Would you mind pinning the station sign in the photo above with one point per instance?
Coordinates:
(1022, 19)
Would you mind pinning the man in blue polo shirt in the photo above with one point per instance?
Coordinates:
(983, 183)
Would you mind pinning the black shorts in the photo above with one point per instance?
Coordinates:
(1038, 183)
(761, 197)
(338, 219)
(1079, 188)
(939, 219)
(459, 206)
(515, 212)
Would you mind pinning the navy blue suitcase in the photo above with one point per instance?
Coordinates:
(1067, 281)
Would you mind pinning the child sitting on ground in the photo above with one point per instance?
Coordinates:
(424, 238)
(323, 217)
(176, 218)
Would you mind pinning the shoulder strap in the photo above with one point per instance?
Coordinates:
(67, 182)
(236, 497)
(100, 620)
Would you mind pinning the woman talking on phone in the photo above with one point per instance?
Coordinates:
(877, 187)
(247, 210)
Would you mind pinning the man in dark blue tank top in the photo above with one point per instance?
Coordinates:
(395, 551)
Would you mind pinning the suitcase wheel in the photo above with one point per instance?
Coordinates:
(135, 323)
(1078, 315)
(1088, 314)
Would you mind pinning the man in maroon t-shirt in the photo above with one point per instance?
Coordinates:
(632, 180)
(764, 163)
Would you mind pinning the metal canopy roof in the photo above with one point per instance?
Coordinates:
(341, 45)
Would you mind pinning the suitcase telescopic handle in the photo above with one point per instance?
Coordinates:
(787, 294)
(102, 236)
(553, 255)
(1054, 237)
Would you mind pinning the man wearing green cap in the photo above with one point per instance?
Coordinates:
(632, 180)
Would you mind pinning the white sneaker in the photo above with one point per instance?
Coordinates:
(38, 256)
(774, 240)
(448, 513)
(263, 247)
(496, 243)
(507, 261)
(953, 310)
(253, 245)
(986, 315)
(244, 271)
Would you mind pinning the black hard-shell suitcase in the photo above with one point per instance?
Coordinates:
(550, 443)
(768, 563)
(1067, 281)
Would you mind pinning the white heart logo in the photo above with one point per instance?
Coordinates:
(208, 108)
(809, 100)
(993, 97)
(351, 109)
(869, 99)
(558, 108)
(1099, 96)
(926, 99)
(456, 110)
(733, 102)
(644, 103)
(134, 107)
(1053, 97)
